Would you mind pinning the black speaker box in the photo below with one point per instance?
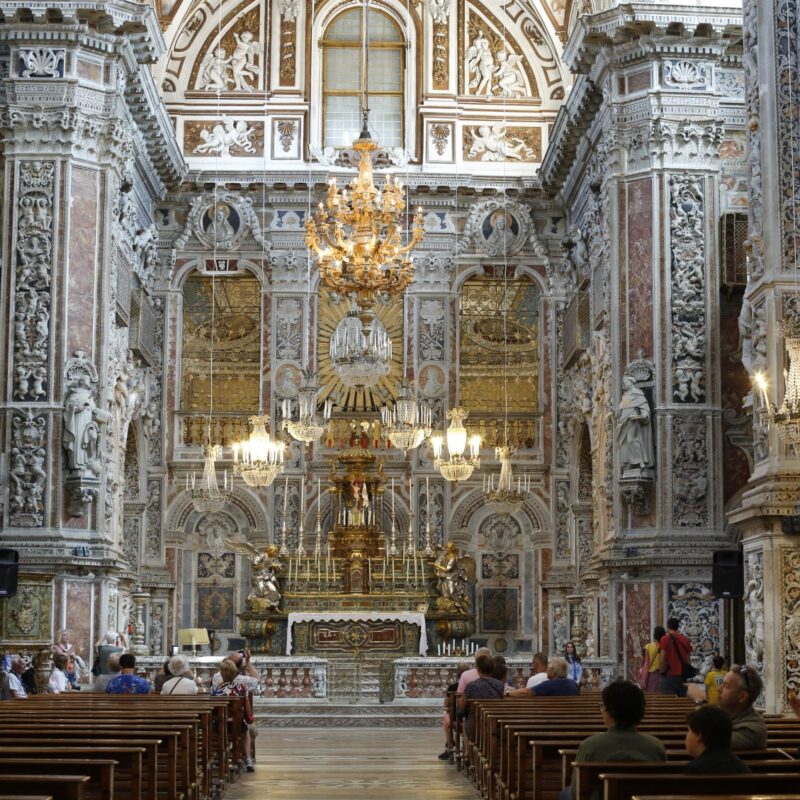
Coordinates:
(727, 575)
(9, 566)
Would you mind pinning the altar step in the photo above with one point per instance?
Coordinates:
(353, 715)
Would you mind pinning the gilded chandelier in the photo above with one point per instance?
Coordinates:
(261, 456)
(356, 237)
(457, 467)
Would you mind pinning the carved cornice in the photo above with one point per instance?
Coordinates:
(612, 29)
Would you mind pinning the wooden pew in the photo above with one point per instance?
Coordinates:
(128, 760)
(59, 787)
(588, 772)
(99, 771)
(623, 786)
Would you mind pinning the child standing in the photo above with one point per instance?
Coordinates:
(714, 679)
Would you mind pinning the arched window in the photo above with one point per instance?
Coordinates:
(342, 80)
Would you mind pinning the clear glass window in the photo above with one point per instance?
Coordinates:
(343, 81)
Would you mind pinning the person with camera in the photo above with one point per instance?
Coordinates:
(247, 675)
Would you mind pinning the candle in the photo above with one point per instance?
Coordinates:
(392, 572)
(369, 570)
(392, 497)
(327, 564)
(302, 500)
(439, 648)
(319, 493)
(415, 569)
(464, 645)
(285, 495)
(187, 481)
(408, 570)
(427, 498)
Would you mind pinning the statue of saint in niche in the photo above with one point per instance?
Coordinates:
(634, 435)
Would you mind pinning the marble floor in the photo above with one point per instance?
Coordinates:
(351, 764)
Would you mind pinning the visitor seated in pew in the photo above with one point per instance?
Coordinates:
(12, 683)
(484, 687)
(162, 676)
(58, 681)
(556, 685)
(472, 674)
(128, 682)
(622, 709)
(739, 690)
(538, 671)
(246, 673)
(183, 681)
(708, 742)
(446, 721)
(101, 682)
(229, 686)
(500, 671)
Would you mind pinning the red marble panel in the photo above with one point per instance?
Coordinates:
(640, 268)
(637, 624)
(735, 386)
(79, 604)
(83, 245)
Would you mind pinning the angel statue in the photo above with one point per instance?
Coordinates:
(214, 71)
(265, 593)
(453, 575)
(243, 63)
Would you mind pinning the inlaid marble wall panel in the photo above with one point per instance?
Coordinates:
(699, 613)
(636, 288)
(638, 624)
(82, 281)
(78, 617)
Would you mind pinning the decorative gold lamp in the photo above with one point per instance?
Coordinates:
(457, 467)
(356, 237)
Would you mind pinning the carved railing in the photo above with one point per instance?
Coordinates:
(280, 677)
(423, 678)
(522, 431)
(226, 429)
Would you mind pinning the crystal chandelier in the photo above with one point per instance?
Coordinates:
(355, 238)
(408, 423)
(308, 427)
(361, 354)
(457, 467)
(504, 497)
(208, 497)
(261, 456)
(787, 416)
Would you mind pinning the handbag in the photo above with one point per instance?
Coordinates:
(687, 670)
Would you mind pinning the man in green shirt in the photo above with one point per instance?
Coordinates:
(622, 710)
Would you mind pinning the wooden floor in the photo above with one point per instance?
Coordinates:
(351, 763)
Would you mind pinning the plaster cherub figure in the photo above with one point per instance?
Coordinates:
(242, 61)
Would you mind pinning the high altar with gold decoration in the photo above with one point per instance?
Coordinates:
(361, 589)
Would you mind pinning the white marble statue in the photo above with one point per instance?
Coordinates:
(508, 74)
(214, 71)
(493, 143)
(480, 66)
(242, 62)
(81, 431)
(226, 135)
(634, 434)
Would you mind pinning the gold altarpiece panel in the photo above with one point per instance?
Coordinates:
(236, 338)
(490, 339)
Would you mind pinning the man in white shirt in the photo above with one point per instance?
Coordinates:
(538, 675)
(12, 685)
(538, 671)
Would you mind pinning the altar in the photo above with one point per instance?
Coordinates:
(343, 632)
(362, 589)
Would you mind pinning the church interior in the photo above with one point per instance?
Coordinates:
(361, 334)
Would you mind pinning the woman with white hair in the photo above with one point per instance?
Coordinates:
(182, 680)
(113, 642)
